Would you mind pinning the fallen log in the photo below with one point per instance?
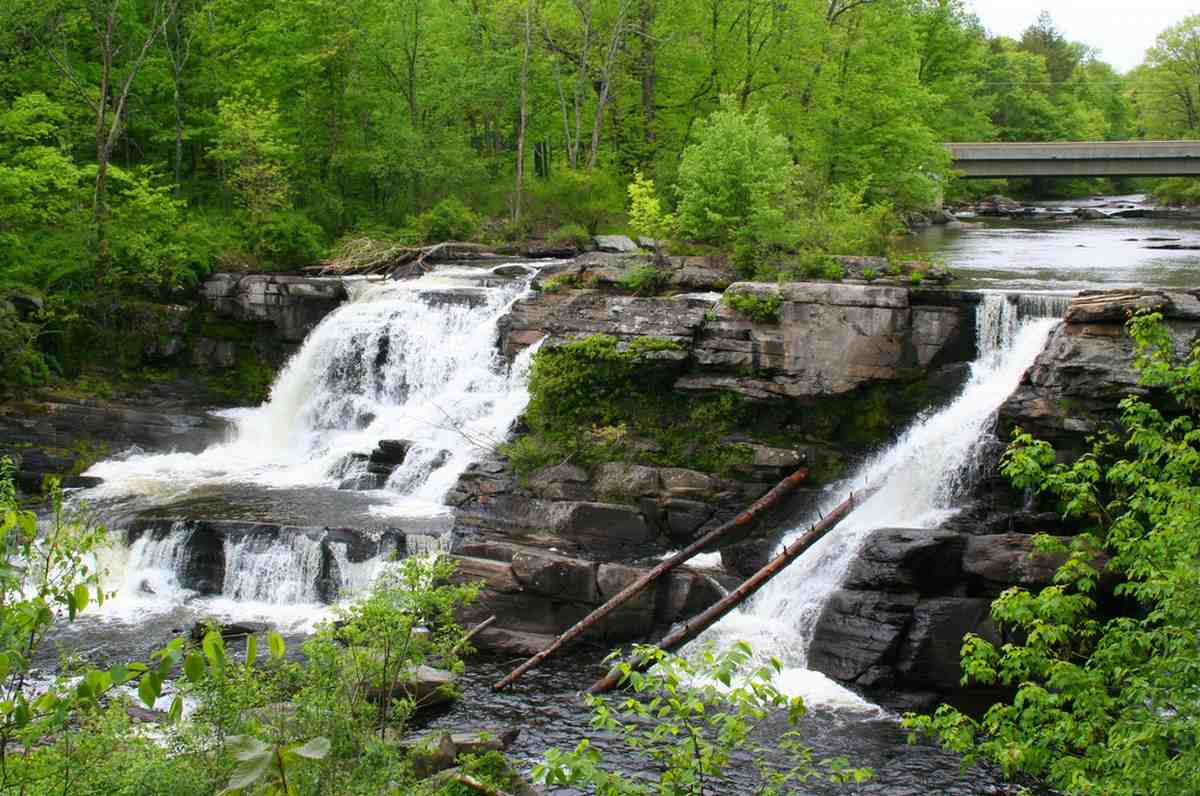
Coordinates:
(689, 630)
(767, 501)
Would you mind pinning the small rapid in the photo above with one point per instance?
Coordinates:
(920, 477)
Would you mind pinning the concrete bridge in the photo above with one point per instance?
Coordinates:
(1077, 159)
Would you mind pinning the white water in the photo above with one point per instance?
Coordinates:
(414, 361)
(920, 477)
(396, 362)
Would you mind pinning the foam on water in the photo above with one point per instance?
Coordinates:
(920, 477)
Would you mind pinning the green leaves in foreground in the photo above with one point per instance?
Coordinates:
(267, 764)
(691, 716)
(1107, 699)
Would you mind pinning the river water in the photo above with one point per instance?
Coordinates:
(1051, 250)
(417, 361)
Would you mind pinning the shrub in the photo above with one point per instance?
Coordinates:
(570, 233)
(285, 239)
(20, 360)
(593, 200)
(870, 274)
(735, 180)
(448, 220)
(763, 309)
(646, 215)
(643, 280)
(1178, 191)
(694, 720)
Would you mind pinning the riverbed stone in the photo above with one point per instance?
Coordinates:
(1009, 559)
(904, 560)
(617, 244)
(601, 524)
(931, 649)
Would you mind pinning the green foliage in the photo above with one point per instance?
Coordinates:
(23, 364)
(592, 200)
(761, 308)
(448, 220)
(643, 280)
(695, 720)
(285, 239)
(734, 179)
(1178, 191)
(646, 215)
(576, 234)
(254, 154)
(592, 399)
(1104, 703)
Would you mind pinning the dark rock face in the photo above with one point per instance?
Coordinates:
(61, 437)
(294, 304)
(1086, 368)
(908, 599)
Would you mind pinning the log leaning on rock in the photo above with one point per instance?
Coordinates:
(689, 630)
(767, 501)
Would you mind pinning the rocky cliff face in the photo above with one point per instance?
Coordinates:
(830, 369)
(1074, 387)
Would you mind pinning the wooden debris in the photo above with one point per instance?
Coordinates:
(739, 522)
(689, 630)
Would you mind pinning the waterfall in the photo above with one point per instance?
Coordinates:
(412, 361)
(921, 477)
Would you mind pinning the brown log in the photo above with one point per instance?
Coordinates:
(689, 630)
(472, 783)
(767, 501)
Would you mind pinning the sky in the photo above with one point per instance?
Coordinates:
(1122, 30)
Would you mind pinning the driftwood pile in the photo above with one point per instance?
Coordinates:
(371, 257)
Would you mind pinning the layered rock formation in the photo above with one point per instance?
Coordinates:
(841, 366)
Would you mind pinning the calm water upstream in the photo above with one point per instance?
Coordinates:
(1049, 252)
(381, 367)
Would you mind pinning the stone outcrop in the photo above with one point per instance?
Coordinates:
(292, 304)
(63, 437)
(1086, 368)
(896, 623)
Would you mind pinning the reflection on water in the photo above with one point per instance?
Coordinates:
(1051, 252)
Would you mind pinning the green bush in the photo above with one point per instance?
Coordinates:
(763, 309)
(21, 361)
(285, 239)
(643, 280)
(735, 180)
(1178, 191)
(448, 220)
(593, 200)
(570, 233)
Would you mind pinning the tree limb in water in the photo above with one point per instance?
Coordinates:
(739, 522)
(689, 630)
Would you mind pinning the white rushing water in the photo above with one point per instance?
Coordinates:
(920, 477)
(413, 360)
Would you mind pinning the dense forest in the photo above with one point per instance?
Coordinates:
(145, 143)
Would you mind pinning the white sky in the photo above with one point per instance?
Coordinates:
(1122, 30)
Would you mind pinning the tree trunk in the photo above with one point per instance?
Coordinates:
(522, 120)
(647, 68)
(767, 501)
(689, 630)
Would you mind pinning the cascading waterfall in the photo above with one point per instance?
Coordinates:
(920, 478)
(413, 361)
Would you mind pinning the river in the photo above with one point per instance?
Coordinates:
(399, 361)
(1050, 250)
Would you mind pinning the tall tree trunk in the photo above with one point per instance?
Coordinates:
(610, 58)
(646, 65)
(522, 120)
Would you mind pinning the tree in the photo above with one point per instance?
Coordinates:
(734, 178)
(1105, 703)
(117, 31)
